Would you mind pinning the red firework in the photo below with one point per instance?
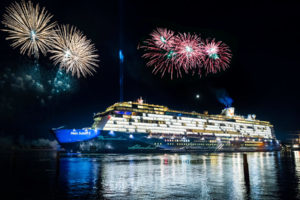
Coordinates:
(163, 38)
(162, 60)
(217, 56)
(159, 50)
(170, 53)
(189, 50)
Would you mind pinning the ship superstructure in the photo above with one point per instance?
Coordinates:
(139, 126)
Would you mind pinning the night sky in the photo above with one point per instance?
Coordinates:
(263, 77)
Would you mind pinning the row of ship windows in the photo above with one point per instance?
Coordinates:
(176, 132)
(183, 140)
(139, 128)
(164, 116)
(115, 124)
(204, 144)
(156, 112)
(184, 126)
(196, 144)
(223, 125)
(160, 113)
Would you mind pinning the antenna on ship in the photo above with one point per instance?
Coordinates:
(121, 56)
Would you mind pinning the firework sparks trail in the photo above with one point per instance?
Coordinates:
(162, 60)
(73, 51)
(217, 56)
(28, 27)
(189, 51)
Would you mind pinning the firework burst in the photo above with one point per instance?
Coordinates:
(169, 53)
(73, 51)
(217, 56)
(189, 51)
(28, 27)
(160, 55)
(163, 38)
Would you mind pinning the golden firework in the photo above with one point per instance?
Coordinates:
(73, 51)
(28, 27)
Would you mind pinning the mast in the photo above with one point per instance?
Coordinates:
(121, 56)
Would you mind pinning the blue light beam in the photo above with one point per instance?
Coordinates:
(121, 56)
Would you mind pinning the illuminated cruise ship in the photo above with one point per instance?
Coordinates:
(142, 127)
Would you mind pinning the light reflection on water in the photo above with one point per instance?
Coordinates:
(273, 175)
(205, 176)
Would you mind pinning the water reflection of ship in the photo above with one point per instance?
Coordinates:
(217, 176)
(82, 176)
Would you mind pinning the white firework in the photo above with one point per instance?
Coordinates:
(73, 51)
(28, 27)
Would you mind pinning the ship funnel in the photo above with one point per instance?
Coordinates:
(229, 112)
(140, 100)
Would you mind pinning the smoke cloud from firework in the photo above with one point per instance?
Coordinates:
(174, 53)
(8, 142)
(29, 94)
(31, 80)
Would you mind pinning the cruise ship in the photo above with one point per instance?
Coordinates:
(142, 127)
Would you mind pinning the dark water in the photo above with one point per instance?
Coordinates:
(35, 175)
